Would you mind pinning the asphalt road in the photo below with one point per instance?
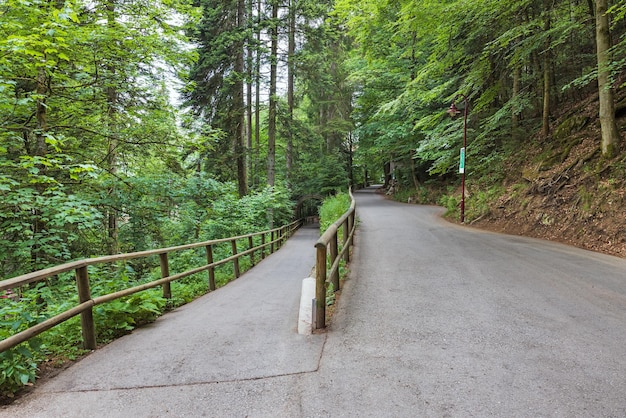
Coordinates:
(436, 320)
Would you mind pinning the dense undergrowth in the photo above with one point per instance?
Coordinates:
(332, 209)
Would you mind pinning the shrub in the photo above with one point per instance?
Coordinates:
(332, 209)
(451, 203)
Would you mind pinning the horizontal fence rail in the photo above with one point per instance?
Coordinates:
(277, 238)
(328, 254)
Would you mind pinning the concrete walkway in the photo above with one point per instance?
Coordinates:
(201, 355)
(436, 320)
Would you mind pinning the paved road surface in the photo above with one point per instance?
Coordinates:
(436, 321)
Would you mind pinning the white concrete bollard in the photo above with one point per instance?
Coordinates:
(305, 318)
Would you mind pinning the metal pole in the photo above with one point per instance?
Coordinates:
(465, 162)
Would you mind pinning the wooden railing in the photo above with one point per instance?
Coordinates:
(328, 253)
(276, 237)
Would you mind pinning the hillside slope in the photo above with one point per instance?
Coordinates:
(562, 189)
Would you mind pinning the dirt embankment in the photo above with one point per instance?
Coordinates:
(569, 192)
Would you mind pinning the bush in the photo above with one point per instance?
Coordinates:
(477, 204)
(18, 366)
(332, 209)
(121, 316)
(452, 205)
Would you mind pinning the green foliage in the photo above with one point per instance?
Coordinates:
(83, 107)
(95, 159)
(18, 366)
(332, 209)
(478, 203)
(412, 58)
(123, 315)
(320, 175)
(428, 193)
(65, 217)
(452, 205)
(440, 150)
(113, 319)
(45, 299)
(330, 295)
(188, 289)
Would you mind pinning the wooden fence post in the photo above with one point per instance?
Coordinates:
(165, 272)
(346, 233)
(86, 317)
(209, 260)
(262, 246)
(236, 260)
(334, 251)
(272, 243)
(251, 246)
(320, 287)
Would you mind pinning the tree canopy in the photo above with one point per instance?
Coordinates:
(119, 119)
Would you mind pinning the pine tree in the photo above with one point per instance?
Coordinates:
(215, 91)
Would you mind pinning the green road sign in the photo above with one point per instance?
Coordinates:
(462, 163)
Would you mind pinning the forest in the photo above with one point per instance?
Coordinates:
(128, 125)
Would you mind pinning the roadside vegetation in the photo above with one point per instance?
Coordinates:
(333, 208)
(29, 305)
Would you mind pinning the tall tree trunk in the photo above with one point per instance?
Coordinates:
(112, 159)
(331, 140)
(112, 151)
(350, 159)
(290, 84)
(249, 76)
(240, 107)
(416, 181)
(271, 129)
(387, 173)
(257, 100)
(547, 85)
(610, 133)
